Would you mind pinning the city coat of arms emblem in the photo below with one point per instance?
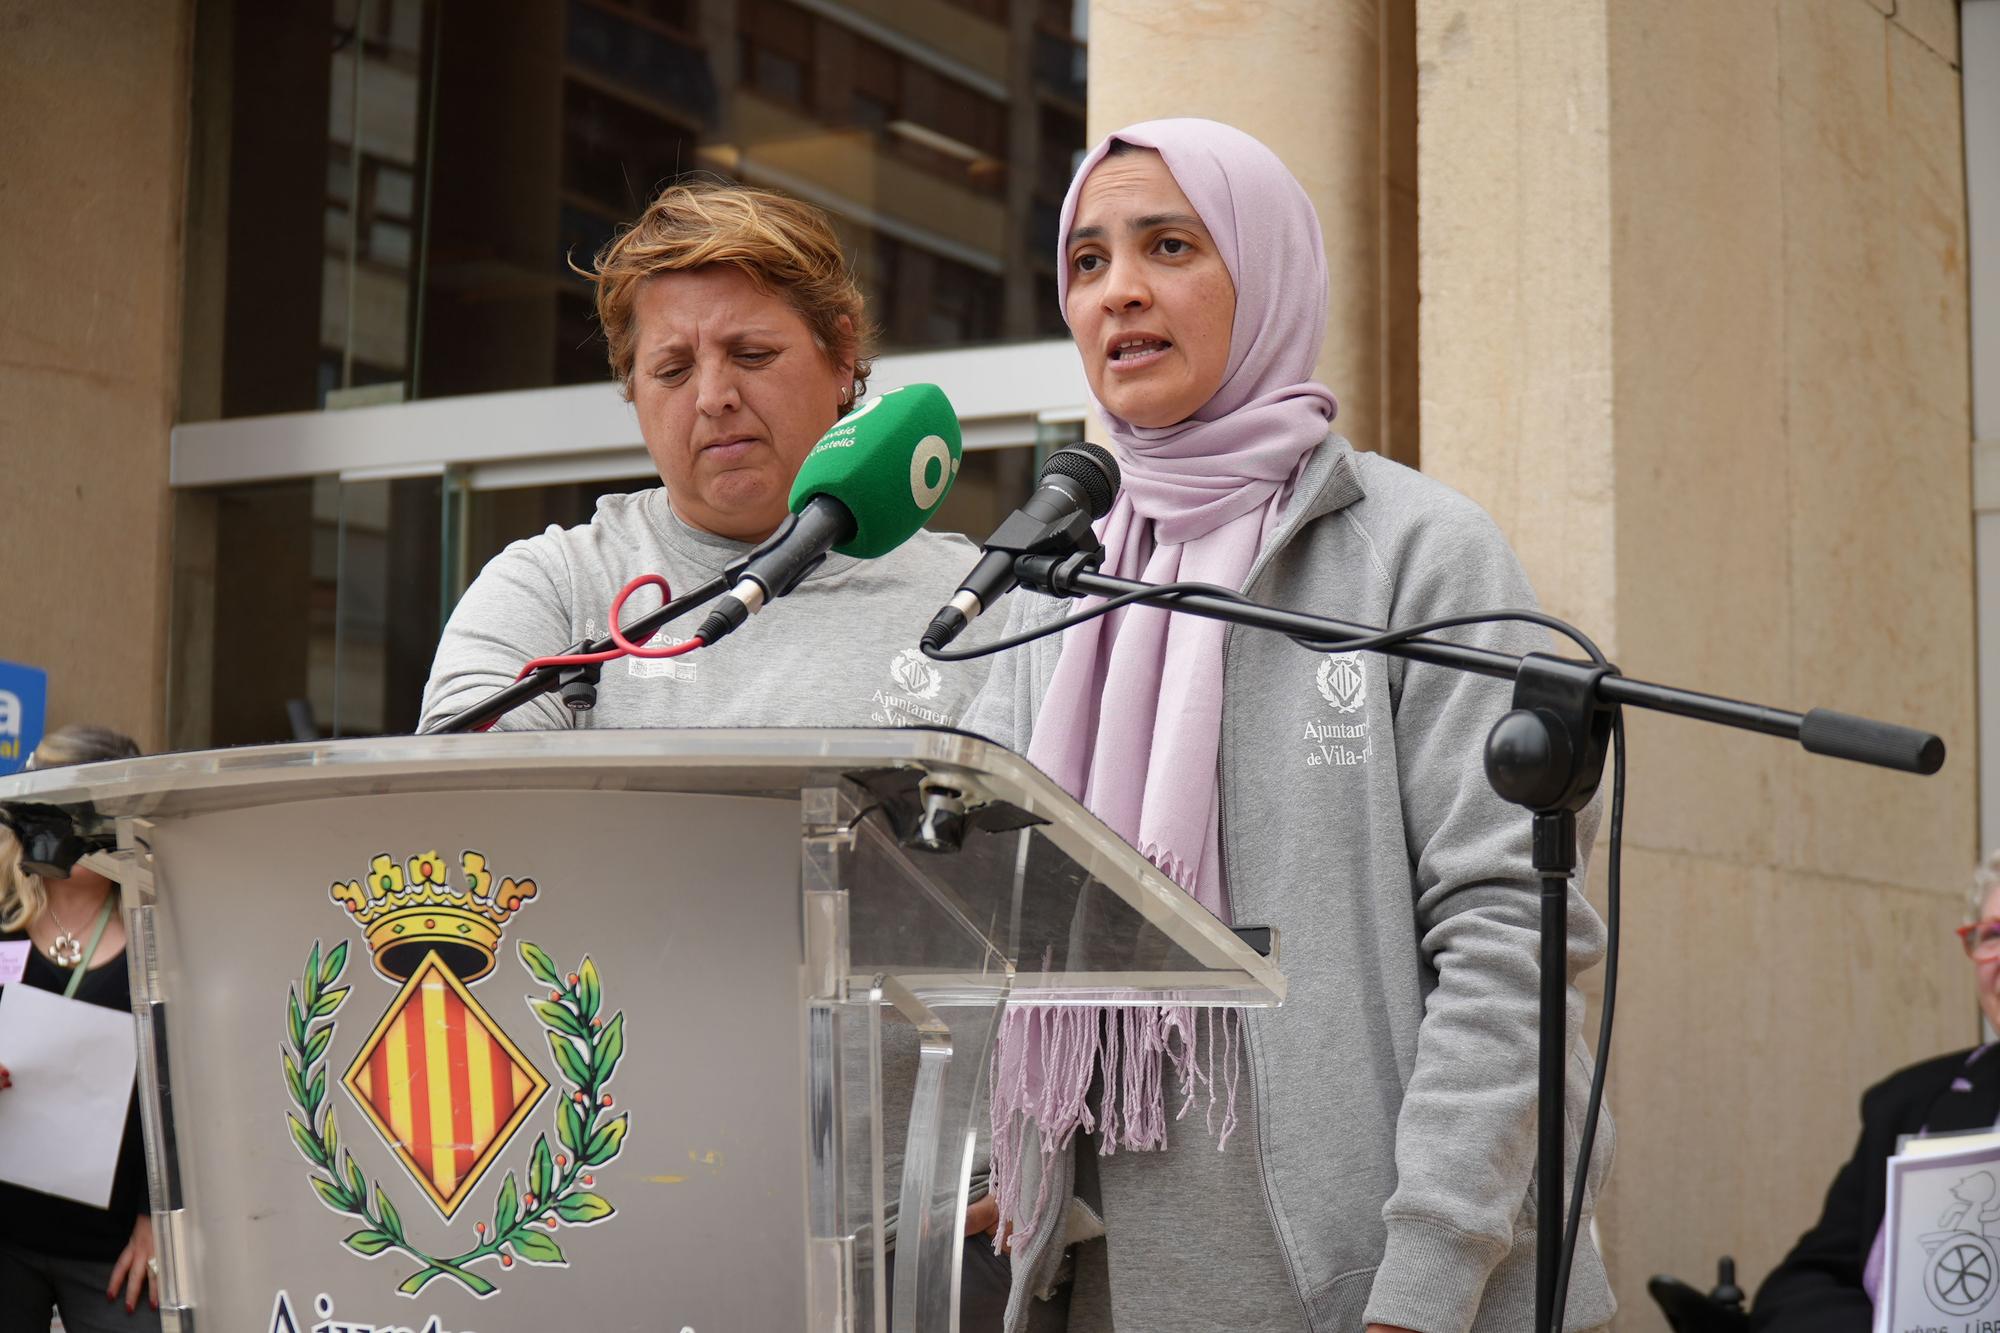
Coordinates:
(1342, 682)
(441, 1083)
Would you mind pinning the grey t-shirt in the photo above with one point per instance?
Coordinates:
(840, 651)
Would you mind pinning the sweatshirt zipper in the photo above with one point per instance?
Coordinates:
(1257, 571)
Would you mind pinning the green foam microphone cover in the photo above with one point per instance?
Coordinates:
(891, 461)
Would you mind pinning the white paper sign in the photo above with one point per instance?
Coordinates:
(13, 961)
(62, 1121)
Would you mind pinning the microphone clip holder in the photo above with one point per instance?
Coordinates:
(791, 579)
(1548, 753)
(1023, 535)
(1056, 575)
(577, 685)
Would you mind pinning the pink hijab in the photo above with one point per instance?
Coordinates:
(1200, 498)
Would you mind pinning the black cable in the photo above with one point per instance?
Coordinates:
(1390, 638)
(1615, 855)
(1168, 593)
(1162, 591)
(1172, 592)
(1594, 1104)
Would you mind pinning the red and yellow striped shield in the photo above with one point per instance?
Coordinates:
(443, 1084)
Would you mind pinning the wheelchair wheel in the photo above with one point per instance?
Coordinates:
(1962, 1274)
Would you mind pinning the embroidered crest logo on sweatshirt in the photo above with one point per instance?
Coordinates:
(1339, 738)
(910, 701)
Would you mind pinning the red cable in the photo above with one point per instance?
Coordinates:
(618, 633)
(624, 647)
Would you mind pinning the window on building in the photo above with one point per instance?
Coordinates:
(777, 44)
(459, 162)
(648, 51)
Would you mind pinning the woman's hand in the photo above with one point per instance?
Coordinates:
(982, 1215)
(982, 1218)
(134, 1269)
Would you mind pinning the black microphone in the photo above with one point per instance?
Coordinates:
(866, 488)
(1075, 488)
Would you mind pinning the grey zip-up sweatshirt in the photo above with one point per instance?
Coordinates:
(1394, 1092)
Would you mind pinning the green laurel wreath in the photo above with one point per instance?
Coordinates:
(587, 1049)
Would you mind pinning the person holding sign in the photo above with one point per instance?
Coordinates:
(1829, 1282)
(92, 1264)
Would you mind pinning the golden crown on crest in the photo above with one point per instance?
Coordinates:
(408, 912)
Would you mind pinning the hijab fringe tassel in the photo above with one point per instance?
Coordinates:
(1044, 1067)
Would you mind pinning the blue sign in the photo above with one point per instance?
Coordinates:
(24, 701)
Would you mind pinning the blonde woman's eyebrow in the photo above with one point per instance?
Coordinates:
(677, 345)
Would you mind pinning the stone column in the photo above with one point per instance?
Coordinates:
(90, 321)
(1694, 331)
(1310, 79)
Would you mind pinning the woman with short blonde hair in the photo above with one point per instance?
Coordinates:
(736, 331)
(785, 247)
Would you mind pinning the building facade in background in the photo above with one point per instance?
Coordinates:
(1700, 300)
(391, 195)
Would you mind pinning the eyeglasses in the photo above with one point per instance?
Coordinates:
(1981, 939)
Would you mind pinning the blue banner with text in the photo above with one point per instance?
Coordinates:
(24, 698)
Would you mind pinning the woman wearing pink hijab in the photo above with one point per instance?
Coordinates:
(1371, 1167)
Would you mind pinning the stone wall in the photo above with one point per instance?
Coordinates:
(1694, 329)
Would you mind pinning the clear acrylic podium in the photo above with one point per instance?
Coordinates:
(507, 1032)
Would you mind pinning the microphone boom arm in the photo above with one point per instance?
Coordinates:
(1820, 730)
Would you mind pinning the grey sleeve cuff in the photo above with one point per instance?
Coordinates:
(1431, 1277)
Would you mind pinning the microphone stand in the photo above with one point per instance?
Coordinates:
(576, 684)
(1548, 756)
